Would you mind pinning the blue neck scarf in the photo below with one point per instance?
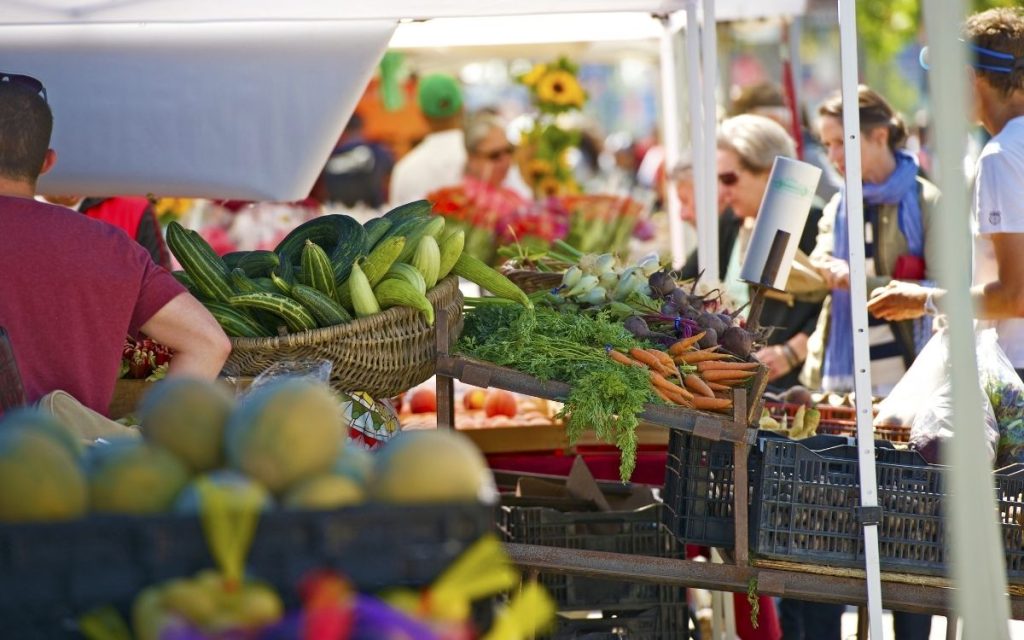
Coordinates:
(901, 188)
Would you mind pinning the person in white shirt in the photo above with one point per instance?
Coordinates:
(996, 41)
(440, 158)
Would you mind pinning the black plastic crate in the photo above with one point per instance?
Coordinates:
(807, 509)
(631, 532)
(656, 623)
(51, 573)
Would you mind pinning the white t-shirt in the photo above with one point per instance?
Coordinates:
(999, 208)
(438, 161)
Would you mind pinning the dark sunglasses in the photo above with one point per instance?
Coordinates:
(28, 82)
(729, 178)
(498, 154)
(982, 58)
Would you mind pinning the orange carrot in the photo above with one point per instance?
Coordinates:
(664, 396)
(718, 386)
(665, 359)
(642, 356)
(698, 386)
(712, 404)
(681, 347)
(731, 366)
(726, 375)
(693, 357)
(622, 358)
(659, 381)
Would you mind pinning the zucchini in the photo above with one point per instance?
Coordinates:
(205, 268)
(317, 271)
(326, 311)
(363, 300)
(232, 259)
(421, 227)
(244, 284)
(375, 230)
(330, 232)
(451, 248)
(295, 316)
(259, 263)
(236, 323)
(477, 272)
(375, 266)
(414, 209)
(408, 273)
(427, 260)
(393, 292)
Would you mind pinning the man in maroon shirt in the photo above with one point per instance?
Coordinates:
(72, 288)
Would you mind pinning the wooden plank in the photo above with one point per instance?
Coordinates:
(444, 385)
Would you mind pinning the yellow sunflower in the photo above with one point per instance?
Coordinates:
(559, 88)
(549, 186)
(534, 74)
(538, 169)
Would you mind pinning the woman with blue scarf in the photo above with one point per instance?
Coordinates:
(898, 205)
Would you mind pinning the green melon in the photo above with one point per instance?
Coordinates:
(131, 476)
(45, 424)
(355, 463)
(285, 432)
(40, 479)
(243, 489)
(429, 466)
(187, 417)
(326, 491)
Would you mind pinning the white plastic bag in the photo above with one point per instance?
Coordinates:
(934, 423)
(911, 394)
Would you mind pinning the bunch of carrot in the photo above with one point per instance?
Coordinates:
(706, 376)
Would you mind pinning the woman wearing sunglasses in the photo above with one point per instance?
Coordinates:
(898, 205)
(747, 147)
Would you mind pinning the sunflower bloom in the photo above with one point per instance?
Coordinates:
(558, 88)
(549, 186)
(534, 74)
(538, 169)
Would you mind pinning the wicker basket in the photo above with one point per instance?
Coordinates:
(531, 281)
(383, 354)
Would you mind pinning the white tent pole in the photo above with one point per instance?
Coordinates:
(696, 130)
(795, 33)
(858, 293)
(709, 47)
(670, 138)
(978, 564)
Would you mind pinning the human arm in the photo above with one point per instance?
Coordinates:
(199, 344)
(783, 358)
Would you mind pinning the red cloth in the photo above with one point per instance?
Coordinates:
(123, 213)
(71, 289)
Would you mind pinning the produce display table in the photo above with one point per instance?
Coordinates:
(900, 592)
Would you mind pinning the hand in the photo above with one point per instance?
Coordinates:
(774, 358)
(836, 272)
(898, 301)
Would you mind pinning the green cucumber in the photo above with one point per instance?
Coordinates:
(259, 263)
(414, 209)
(432, 226)
(235, 322)
(326, 311)
(295, 316)
(395, 291)
(375, 230)
(205, 268)
(330, 232)
(409, 274)
(317, 271)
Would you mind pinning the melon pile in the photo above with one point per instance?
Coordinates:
(283, 445)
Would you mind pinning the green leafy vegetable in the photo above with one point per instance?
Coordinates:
(570, 348)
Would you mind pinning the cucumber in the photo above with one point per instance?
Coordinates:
(427, 260)
(451, 248)
(244, 284)
(414, 209)
(394, 292)
(421, 227)
(363, 300)
(232, 259)
(375, 230)
(284, 277)
(266, 284)
(409, 274)
(235, 322)
(259, 263)
(326, 311)
(477, 272)
(205, 268)
(330, 232)
(186, 281)
(317, 271)
(295, 316)
(375, 266)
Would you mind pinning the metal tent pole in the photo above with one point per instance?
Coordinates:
(693, 82)
(978, 564)
(870, 513)
(671, 137)
(709, 47)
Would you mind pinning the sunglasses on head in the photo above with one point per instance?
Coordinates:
(729, 178)
(497, 154)
(985, 59)
(26, 82)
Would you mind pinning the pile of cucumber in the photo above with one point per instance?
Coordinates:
(330, 270)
